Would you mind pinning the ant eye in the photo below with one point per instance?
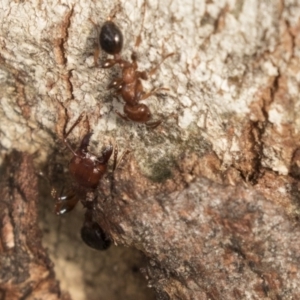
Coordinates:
(111, 38)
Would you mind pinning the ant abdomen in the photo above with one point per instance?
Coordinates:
(93, 235)
(111, 38)
(139, 113)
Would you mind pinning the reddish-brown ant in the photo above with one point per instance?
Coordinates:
(129, 86)
(86, 170)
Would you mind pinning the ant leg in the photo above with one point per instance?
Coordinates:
(141, 95)
(153, 124)
(139, 39)
(116, 96)
(116, 83)
(64, 202)
(114, 11)
(134, 60)
(97, 44)
(116, 60)
(122, 157)
(66, 134)
(144, 95)
(106, 154)
(112, 182)
(133, 56)
(116, 151)
(85, 142)
(145, 75)
(96, 56)
(116, 164)
(109, 63)
(121, 116)
(152, 71)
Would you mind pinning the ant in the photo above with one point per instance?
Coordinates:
(129, 86)
(86, 170)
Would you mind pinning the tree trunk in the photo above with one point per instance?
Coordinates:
(26, 271)
(211, 196)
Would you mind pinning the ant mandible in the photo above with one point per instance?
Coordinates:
(129, 86)
(86, 170)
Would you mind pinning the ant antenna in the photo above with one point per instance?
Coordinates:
(139, 37)
(114, 11)
(66, 134)
(152, 71)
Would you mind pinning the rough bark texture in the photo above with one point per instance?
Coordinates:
(231, 115)
(207, 240)
(26, 271)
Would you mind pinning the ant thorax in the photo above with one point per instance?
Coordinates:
(129, 75)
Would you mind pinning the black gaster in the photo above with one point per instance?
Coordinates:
(93, 235)
(111, 38)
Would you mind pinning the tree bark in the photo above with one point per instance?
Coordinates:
(26, 271)
(212, 195)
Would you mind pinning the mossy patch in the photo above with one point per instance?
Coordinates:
(161, 170)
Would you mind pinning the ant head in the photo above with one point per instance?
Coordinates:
(111, 38)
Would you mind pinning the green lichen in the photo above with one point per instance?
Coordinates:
(164, 152)
(161, 170)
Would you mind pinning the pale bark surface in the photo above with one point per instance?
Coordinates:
(208, 240)
(231, 115)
